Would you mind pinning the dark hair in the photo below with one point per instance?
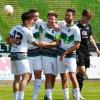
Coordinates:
(26, 16)
(71, 10)
(32, 11)
(52, 13)
(87, 13)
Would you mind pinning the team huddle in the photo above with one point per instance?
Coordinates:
(54, 47)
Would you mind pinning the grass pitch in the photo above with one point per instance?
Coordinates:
(91, 91)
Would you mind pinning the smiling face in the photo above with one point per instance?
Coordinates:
(36, 16)
(69, 17)
(51, 20)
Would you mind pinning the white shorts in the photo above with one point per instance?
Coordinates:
(68, 65)
(35, 63)
(49, 65)
(20, 67)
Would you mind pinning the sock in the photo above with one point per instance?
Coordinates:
(21, 95)
(66, 93)
(76, 93)
(80, 80)
(37, 85)
(49, 93)
(16, 95)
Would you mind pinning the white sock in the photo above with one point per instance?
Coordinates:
(15, 95)
(21, 95)
(66, 93)
(76, 93)
(37, 85)
(49, 93)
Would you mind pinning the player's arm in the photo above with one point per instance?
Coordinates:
(32, 40)
(92, 41)
(49, 44)
(70, 50)
(35, 43)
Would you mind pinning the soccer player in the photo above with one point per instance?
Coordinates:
(34, 55)
(83, 61)
(70, 42)
(49, 52)
(19, 39)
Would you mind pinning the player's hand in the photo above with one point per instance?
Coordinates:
(62, 57)
(98, 53)
(56, 27)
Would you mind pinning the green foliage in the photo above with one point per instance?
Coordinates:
(60, 6)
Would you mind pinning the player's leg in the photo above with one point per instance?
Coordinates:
(37, 69)
(31, 63)
(64, 77)
(47, 68)
(76, 91)
(72, 74)
(80, 76)
(30, 77)
(53, 81)
(54, 71)
(82, 67)
(37, 83)
(64, 80)
(16, 86)
(16, 81)
(81, 71)
(23, 70)
(22, 85)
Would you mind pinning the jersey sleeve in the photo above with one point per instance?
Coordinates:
(77, 36)
(30, 37)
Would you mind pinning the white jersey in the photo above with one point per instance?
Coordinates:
(23, 37)
(39, 22)
(35, 31)
(68, 36)
(47, 34)
(36, 35)
(61, 23)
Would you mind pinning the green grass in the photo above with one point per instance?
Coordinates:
(91, 91)
(6, 22)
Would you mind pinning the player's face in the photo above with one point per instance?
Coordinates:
(85, 19)
(51, 20)
(36, 16)
(69, 17)
(29, 22)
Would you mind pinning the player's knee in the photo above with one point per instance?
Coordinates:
(80, 77)
(37, 74)
(63, 77)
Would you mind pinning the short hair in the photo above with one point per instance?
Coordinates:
(33, 10)
(26, 16)
(71, 10)
(52, 13)
(87, 13)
